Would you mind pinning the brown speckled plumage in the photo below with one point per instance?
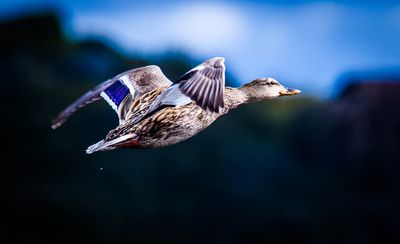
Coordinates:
(173, 124)
(156, 113)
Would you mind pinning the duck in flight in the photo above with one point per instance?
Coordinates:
(154, 112)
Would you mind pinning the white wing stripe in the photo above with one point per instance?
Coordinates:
(125, 80)
(109, 101)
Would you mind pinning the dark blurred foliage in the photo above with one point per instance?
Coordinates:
(289, 170)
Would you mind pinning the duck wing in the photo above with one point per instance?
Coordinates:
(118, 91)
(203, 84)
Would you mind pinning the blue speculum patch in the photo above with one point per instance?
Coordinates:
(117, 92)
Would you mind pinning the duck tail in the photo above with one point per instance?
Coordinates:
(99, 146)
(107, 145)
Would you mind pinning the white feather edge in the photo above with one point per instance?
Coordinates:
(109, 101)
(127, 82)
(104, 146)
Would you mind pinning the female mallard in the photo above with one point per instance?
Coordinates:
(154, 112)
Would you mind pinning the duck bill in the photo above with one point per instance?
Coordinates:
(289, 92)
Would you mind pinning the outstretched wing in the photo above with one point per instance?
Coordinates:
(205, 84)
(118, 91)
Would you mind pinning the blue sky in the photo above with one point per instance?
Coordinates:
(304, 44)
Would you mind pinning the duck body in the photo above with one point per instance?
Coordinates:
(154, 112)
(171, 124)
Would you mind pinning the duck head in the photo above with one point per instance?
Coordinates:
(266, 88)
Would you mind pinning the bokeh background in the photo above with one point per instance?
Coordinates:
(320, 167)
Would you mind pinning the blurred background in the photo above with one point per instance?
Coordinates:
(320, 167)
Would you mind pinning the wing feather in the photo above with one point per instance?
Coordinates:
(204, 84)
(139, 81)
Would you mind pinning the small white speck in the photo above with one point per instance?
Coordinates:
(101, 168)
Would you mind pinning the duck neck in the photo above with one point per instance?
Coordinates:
(233, 97)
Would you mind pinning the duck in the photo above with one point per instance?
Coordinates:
(154, 112)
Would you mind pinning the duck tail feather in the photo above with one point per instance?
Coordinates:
(107, 145)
